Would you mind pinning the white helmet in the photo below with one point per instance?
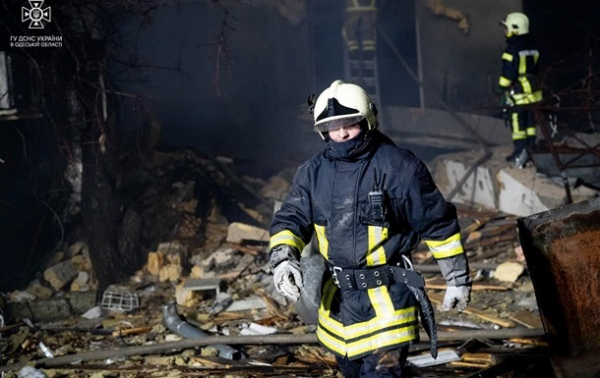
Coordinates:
(516, 24)
(343, 104)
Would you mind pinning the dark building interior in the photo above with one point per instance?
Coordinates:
(225, 80)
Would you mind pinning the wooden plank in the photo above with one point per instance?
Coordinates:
(438, 299)
(527, 319)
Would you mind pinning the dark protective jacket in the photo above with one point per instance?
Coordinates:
(330, 196)
(519, 66)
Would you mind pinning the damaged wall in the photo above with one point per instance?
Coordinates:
(461, 44)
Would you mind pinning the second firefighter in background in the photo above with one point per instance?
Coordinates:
(519, 84)
(360, 28)
(369, 203)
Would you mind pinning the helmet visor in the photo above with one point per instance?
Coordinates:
(335, 123)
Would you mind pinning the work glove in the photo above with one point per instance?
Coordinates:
(455, 270)
(287, 275)
(456, 297)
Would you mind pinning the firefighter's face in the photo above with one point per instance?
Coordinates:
(345, 133)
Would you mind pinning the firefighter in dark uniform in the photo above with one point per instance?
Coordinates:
(369, 203)
(360, 28)
(519, 85)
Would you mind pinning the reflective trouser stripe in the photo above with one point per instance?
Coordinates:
(356, 6)
(517, 132)
(521, 124)
(446, 248)
(369, 45)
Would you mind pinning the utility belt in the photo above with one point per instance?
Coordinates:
(383, 275)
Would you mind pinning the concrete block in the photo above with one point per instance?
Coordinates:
(53, 309)
(479, 187)
(239, 232)
(203, 284)
(524, 192)
(497, 184)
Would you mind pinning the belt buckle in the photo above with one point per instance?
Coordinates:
(334, 273)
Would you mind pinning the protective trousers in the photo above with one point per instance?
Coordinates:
(360, 28)
(387, 364)
(523, 129)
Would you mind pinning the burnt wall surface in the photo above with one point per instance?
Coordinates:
(229, 79)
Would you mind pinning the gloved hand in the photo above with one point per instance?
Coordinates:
(506, 100)
(456, 297)
(287, 276)
(288, 279)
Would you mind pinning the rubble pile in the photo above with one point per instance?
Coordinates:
(204, 305)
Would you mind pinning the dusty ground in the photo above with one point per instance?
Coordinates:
(137, 343)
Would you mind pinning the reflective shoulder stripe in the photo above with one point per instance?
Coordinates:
(504, 82)
(508, 57)
(446, 248)
(288, 238)
(323, 242)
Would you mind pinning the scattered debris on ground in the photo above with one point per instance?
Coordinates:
(204, 305)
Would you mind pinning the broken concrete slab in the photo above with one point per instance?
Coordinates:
(204, 284)
(239, 232)
(75, 303)
(497, 184)
(60, 274)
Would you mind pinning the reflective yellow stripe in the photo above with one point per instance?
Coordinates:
(507, 56)
(382, 340)
(381, 300)
(288, 238)
(369, 45)
(331, 343)
(504, 82)
(356, 7)
(517, 133)
(525, 84)
(364, 337)
(352, 45)
(379, 322)
(323, 242)
(522, 65)
(527, 98)
(531, 131)
(446, 248)
(376, 253)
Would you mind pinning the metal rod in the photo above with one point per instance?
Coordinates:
(310, 338)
